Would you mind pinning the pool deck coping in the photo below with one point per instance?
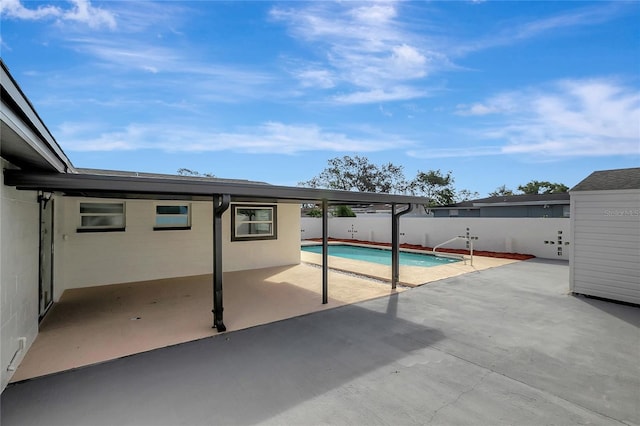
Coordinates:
(410, 276)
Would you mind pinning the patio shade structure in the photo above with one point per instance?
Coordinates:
(130, 185)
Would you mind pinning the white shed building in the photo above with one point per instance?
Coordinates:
(605, 225)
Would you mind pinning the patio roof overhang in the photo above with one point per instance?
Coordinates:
(181, 187)
(220, 193)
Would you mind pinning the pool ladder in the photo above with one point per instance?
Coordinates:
(459, 237)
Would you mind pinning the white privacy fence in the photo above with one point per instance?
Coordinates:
(547, 238)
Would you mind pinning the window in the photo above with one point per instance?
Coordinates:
(101, 217)
(253, 223)
(170, 217)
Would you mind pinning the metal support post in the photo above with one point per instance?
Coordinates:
(325, 252)
(220, 205)
(395, 242)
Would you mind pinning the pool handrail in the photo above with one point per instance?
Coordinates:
(459, 237)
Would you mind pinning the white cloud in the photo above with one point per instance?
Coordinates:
(503, 103)
(270, 137)
(84, 12)
(570, 118)
(14, 9)
(365, 48)
(81, 11)
(512, 33)
(380, 95)
(172, 67)
(471, 151)
(132, 55)
(375, 13)
(315, 78)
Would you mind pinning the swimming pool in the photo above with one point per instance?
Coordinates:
(380, 256)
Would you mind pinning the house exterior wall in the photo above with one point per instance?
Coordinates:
(606, 249)
(540, 237)
(19, 248)
(140, 253)
(241, 255)
(554, 210)
(458, 213)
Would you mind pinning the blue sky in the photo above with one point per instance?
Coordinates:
(500, 93)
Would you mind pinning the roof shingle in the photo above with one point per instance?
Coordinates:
(608, 180)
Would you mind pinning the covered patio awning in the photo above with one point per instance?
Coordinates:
(221, 192)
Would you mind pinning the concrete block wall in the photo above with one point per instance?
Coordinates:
(541, 237)
(19, 252)
(140, 253)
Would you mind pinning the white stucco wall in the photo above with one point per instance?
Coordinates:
(240, 255)
(140, 253)
(540, 237)
(19, 249)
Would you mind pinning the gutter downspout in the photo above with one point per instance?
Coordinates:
(220, 205)
(395, 243)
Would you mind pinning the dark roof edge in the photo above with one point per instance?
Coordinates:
(610, 180)
(511, 200)
(26, 111)
(107, 184)
(125, 173)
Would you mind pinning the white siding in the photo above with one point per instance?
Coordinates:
(140, 253)
(19, 248)
(606, 244)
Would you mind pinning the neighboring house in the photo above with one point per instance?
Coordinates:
(62, 227)
(525, 205)
(605, 224)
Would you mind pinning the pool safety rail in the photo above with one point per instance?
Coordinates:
(459, 237)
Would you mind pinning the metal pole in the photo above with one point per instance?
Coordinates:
(395, 242)
(325, 252)
(220, 205)
(395, 246)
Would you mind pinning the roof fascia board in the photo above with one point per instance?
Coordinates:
(163, 186)
(26, 134)
(45, 141)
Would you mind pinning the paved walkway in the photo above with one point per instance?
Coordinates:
(501, 346)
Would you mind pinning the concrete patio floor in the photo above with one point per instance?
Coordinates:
(96, 324)
(503, 346)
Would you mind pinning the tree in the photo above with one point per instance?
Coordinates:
(434, 185)
(466, 195)
(358, 174)
(314, 212)
(189, 172)
(534, 187)
(501, 191)
(343, 211)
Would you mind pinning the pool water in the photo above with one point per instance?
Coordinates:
(380, 256)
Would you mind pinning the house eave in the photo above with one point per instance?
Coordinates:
(29, 142)
(97, 185)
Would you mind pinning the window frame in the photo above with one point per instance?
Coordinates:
(157, 227)
(255, 237)
(101, 228)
